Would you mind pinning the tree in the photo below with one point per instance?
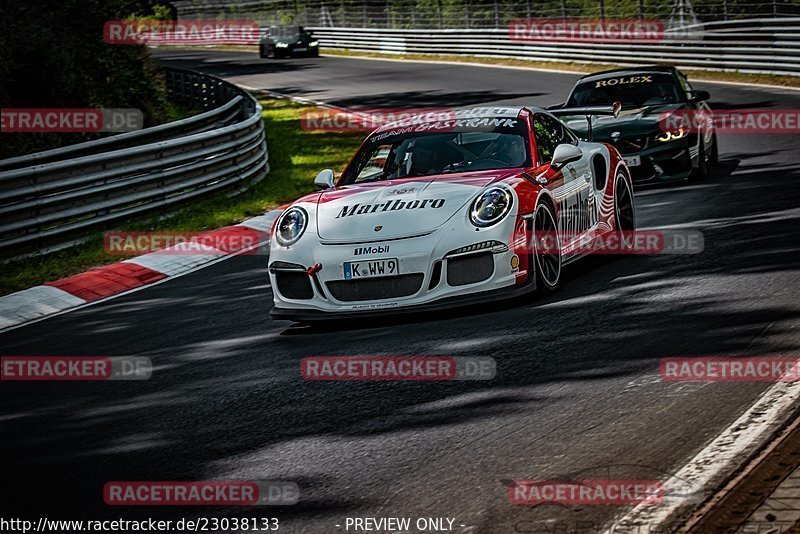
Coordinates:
(52, 55)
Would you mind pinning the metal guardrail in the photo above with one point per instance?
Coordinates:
(770, 46)
(460, 14)
(49, 199)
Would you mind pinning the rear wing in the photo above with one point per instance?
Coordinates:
(612, 110)
(589, 111)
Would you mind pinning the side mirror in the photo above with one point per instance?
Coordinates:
(616, 107)
(699, 96)
(324, 179)
(564, 154)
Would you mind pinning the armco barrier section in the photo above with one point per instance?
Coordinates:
(50, 199)
(755, 46)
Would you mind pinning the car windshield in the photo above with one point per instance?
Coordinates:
(455, 146)
(285, 33)
(632, 89)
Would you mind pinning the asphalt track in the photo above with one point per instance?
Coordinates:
(577, 393)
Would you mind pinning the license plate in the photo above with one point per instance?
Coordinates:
(301, 49)
(371, 268)
(633, 161)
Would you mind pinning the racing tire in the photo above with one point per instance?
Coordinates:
(702, 161)
(314, 53)
(263, 51)
(547, 249)
(713, 156)
(624, 210)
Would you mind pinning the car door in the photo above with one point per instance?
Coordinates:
(571, 185)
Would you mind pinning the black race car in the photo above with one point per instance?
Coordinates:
(664, 130)
(287, 41)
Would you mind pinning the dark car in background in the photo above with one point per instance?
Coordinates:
(657, 102)
(288, 41)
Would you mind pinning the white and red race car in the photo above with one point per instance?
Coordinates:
(437, 211)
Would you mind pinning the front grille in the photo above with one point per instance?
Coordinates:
(674, 161)
(285, 266)
(294, 284)
(387, 287)
(632, 145)
(463, 270)
(644, 172)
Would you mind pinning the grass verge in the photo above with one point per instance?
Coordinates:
(295, 157)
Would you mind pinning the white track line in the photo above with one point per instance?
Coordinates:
(717, 461)
(33, 303)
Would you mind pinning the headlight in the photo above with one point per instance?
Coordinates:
(281, 45)
(313, 43)
(491, 206)
(291, 226)
(671, 136)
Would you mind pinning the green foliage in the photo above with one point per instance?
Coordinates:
(52, 55)
(159, 13)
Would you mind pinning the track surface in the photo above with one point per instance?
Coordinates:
(577, 393)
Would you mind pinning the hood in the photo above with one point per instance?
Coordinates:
(397, 208)
(630, 122)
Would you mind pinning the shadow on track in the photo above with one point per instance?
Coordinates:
(226, 389)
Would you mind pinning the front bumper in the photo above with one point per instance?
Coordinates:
(430, 276)
(664, 162)
(296, 50)
(479, 298)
